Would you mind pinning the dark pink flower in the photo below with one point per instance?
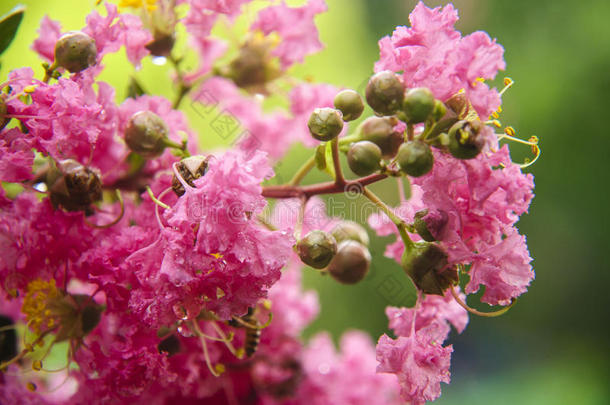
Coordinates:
(44, 45)
(431, 53)
(16, 156)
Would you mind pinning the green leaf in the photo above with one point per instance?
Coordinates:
(8, 26)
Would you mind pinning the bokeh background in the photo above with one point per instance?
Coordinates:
(553, 346)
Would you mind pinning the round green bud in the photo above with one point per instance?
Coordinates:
(190, 168)
(146, 134)
(418, 105)
(426, 264)
(465, 139)
(350, 230)
(351, 263)
(75, 51)
(325, 124)
(415, 158)
(73, 186)
(385, 92)
(254, 65)
(3, 110)
(364, 158)
(439, 110)
(430, 224)
(317, 249)
(380, 131)
(350, 104)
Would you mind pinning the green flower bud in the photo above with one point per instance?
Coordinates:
(146, 134)
(430, 224)
(351, 263)
(380, 131)
(73, 186)
(190, 168)
(364, 158)
(385, 92)
(325, 124)
(426, 264)
(3, 110)
(349, 230)
(415, 158)
(418, 105)
(350, 104)
(317, 249)
(465, 139)
(75, 51)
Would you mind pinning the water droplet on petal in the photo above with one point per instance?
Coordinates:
(159, 60)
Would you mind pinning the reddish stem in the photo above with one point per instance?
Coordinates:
(287, 191)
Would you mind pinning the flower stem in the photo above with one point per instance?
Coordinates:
(303, 171)
(400, 224)
(339, 179)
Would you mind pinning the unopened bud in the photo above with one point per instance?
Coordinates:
(73, 186)
(426, 264)
(364, 158)
(146, 134)
(317, 249)
(190, 168)
(254, 65)
(351, 263)
(465, 139)
(325, 124)
(430, 224)
(385, 92)
(415, 158)
(350, 104)
(380, 131)
(349, 230)
(75, 51)
(418, 105)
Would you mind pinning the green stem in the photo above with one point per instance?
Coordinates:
(48, 73)
(410, 132)
(183, 87)
(339, 179)
(303, 171)
(400, 224)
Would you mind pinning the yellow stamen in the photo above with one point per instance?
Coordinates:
(508, 83)
(31, 386)
(29, 89)
(35, 304)
(37, 365)
(510, 131)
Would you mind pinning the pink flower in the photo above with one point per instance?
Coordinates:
(16, 156)
(213, 254)
(433, 313)
(419, 362)
(44, 45)
(433, 54)
(295, 26)
(347, 377)
(116, 30)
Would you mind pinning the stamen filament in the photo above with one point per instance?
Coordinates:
(477, 312)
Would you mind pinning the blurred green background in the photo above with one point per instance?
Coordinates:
(552, 347)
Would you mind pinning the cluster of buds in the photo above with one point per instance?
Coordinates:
(380, 142)
(343, 253)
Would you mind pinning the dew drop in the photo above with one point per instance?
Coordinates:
(159, 60)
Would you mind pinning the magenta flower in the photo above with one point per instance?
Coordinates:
(431, 53)
(296, 28)
(44, 45)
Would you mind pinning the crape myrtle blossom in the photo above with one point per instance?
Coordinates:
(174, 274)
(431, 53)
